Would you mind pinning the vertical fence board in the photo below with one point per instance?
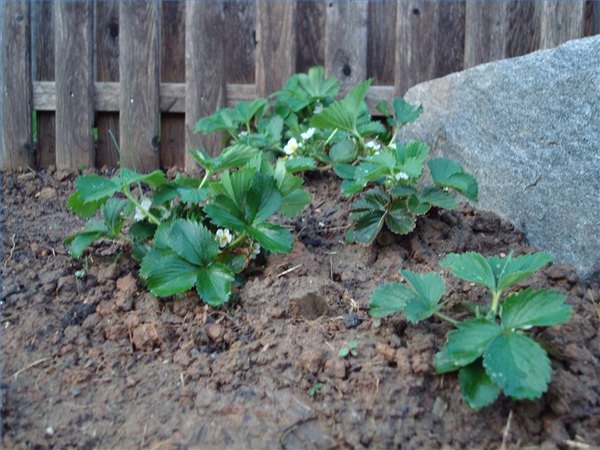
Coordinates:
(43, 23)
(429, 41)
(346, 42)
(381, 42)
(524, 28)
(107, 69)
(139, 77)
(17, 145)
(560, 21)
(205, 82)
(74, 85)
(240, 45)
(276, 48)
(172, 70)
(310, 29)
(486, 32)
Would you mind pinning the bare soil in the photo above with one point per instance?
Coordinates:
(97, 362)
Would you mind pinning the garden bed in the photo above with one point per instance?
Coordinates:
(91, 360)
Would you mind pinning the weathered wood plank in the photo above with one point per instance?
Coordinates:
(43, 32)
(381, 41)
(560, 22)
(486, 32)
(205, 83)
(240, 45)
(429, 41)
(346, 42)
(107, 69)
(17, 146)
(172, 70)
(310, 29)
(524, 28)
(172, 95)
(276, 48)
(74, 85)
(139, 76)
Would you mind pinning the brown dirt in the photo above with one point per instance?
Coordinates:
(96, 362)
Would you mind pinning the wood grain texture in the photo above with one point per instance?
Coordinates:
(310, 30)
(276, 47)
(139, 77)
(524, 28)
(43, 57)
(560, 22)
(172, 70)
(429, 41)
(486, 32)
(240, 45)
(107, 69)
(381, 42)
(346, 42)
(74, 85)
(205, 82)
(17, 146)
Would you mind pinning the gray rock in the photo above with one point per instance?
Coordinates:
(528, 128)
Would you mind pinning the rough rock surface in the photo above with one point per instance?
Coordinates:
(529, 130)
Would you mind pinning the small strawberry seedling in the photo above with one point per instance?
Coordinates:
(491, 351)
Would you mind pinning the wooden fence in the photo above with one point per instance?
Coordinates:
(81, 71)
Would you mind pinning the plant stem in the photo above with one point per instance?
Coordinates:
(206, 175)
(325, 168)
(237, 240)
(495, 301)
(446, 318)
(148, 214)
(330, 137)
(393, 137)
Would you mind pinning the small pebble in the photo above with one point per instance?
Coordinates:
(50, 431)
(351, 320)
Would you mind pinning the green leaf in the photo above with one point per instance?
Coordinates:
(344, 151)
(83, 209)
(438, 197)
(509, 271)
(300, 164)
(371, 128)
(142, 230)
(448, 173)
(263, 199)
(94, 187)
(383, 108)
(273, 237)
(465, 344)
(368, 226)
(234, 156)
(235, 262)
(518, 365)
(410, 159)
(477, 388)
(167, 274)
(192, 195)
(202, 158)
(399, 219)
(192, 241)
(345, 171)
(223, 212)
(127, 177)
(214, 284)
(534, 308)
(293, 203)
(427, 290)
(112, 212)
(405, 113)
(388, 299)
(343, 114)
(92, 231)
(471, 266)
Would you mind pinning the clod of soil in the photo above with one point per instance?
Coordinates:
(94, 361)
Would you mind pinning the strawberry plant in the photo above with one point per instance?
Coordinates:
(191, 233)
(492, 351)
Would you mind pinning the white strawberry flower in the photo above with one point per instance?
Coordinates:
(308, 134)
(291, 147)
(401, 176)
(243, 134)
(142, 210)
(318, 108)
(224, 237)
(255, 250)
(373, 145)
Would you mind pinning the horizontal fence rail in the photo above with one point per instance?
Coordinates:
(81, 80)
